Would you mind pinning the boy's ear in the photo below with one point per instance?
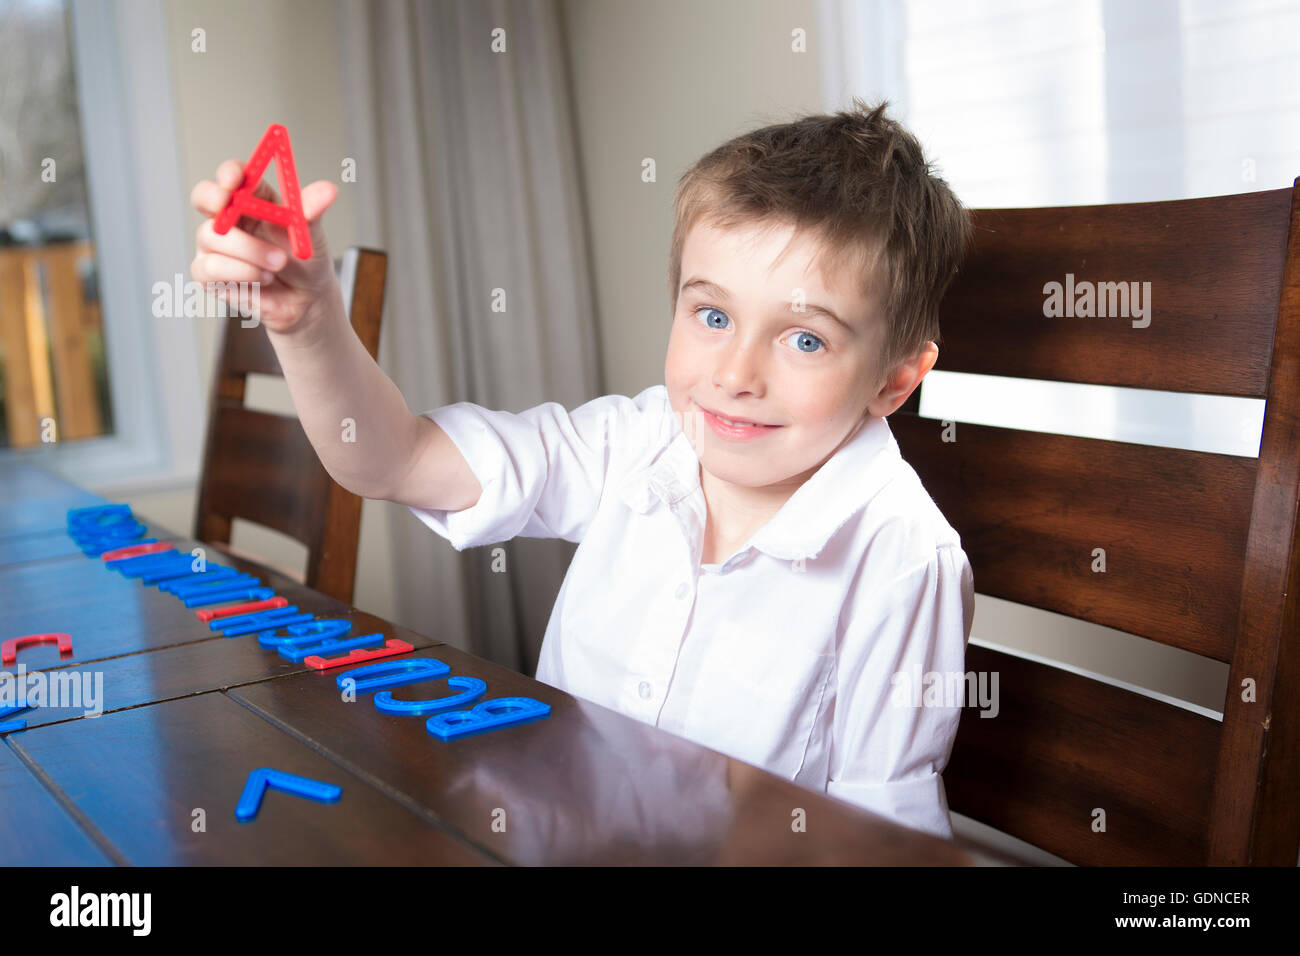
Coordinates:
(902, 381)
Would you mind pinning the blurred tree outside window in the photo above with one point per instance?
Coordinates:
(53, 373)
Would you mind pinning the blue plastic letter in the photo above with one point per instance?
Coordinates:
(256, 621)
(471, 690)
(388, 674)
(325, 647)
(489, 715)
(308, 632)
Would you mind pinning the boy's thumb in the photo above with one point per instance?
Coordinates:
(316, 198)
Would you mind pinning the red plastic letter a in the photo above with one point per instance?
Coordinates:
(275, 143)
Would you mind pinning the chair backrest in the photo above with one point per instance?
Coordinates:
(1200, 549)
(259, 466)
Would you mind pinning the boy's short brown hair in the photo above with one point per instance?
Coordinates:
(860, 183)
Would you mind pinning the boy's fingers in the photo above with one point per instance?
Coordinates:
(230, 174)
(214, 267)
(264, 191)
(210, 198)
(317, 197)
(238, 244)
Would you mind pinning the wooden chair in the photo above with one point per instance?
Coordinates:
(1201, 549)
(259, 466)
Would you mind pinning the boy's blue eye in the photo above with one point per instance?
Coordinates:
(707, 321)
(804, 338)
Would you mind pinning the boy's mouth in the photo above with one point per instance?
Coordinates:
(734, 427)
(735, 420)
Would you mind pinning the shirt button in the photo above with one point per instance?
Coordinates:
(682, 589)
(644, 690)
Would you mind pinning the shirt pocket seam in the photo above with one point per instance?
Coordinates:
(817, 713)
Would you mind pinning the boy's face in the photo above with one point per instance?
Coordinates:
(740, 348)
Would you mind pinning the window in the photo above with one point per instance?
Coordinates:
(52, 370)
(91, 243)
(1033, 103)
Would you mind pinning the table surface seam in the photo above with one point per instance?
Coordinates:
(92, 832)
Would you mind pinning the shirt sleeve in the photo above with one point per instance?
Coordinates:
(901, 679)
(542, 470)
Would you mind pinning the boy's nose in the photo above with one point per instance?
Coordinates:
(740, 371)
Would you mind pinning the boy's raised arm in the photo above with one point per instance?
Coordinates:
(353, 414)
(391, 453)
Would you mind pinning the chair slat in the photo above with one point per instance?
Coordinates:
(247, 349)
(1064, 745)
(268, 472)
(1031, 508)
(1215, 268)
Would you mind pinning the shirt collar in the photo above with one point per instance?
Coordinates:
(837, 491)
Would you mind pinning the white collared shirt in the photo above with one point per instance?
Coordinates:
(795, 654)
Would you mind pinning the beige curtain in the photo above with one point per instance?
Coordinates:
(466, 177)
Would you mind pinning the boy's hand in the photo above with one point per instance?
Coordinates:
(258, 251)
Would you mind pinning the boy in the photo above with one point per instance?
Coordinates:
(759, 570)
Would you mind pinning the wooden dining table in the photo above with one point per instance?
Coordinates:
(151, 771)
